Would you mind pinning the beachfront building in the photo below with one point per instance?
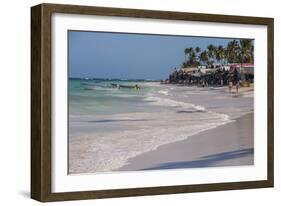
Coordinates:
(198, 76)
(217, 75)
(245, 68)
(246, 71)
(189, 70)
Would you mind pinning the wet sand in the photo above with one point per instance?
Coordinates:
(231, 144)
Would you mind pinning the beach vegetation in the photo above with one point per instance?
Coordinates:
(236, 51)
(217, 65)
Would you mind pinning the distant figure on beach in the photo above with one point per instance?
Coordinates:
(203, 83)
(237, 86)
(230, 85)
(137, 87)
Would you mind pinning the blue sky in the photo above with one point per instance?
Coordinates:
(129, 56)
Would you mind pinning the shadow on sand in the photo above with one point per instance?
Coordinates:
(117, 120)
(205, 161)
(185, 111)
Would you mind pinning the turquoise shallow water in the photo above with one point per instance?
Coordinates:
(108, 126)
(89, 97)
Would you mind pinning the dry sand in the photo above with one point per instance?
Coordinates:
(231, 144)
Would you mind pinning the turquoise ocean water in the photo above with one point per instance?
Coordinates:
(90, 97)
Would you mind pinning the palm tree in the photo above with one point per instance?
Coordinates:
(246, 51)
(197, 49)
(232, 51)
(192, 59)
(211, 52)
(197, 53)
(204, 57)
(220, 54)
(193, 56)
(188, 51)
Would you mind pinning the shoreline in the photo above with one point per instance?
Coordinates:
(215, 149)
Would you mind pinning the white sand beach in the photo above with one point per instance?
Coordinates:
(231, 144)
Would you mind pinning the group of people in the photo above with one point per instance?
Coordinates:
(217, 77)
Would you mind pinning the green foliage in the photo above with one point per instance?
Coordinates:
(236, 51)
(204, 57)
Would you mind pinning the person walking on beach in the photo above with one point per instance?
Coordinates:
(237, 86)
(137, 87)
(230, 85)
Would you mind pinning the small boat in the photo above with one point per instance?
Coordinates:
(88, 84)
(88, 88)
(92, 86)
(114, 85)
(125, 86)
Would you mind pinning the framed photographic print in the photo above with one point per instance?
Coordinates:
(130, 102)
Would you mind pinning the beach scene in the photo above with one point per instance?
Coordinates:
(143, 102)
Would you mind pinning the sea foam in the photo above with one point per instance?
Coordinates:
(112, 150)
(105, 152)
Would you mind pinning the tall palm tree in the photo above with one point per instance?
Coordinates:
(246, 50)
(232, 51)
(204, 57)
(192, 59)
(220, 54)
(193, 56)
(188, 51)
(197, 53)
(211, 52)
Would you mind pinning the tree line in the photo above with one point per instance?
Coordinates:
(237, 51)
